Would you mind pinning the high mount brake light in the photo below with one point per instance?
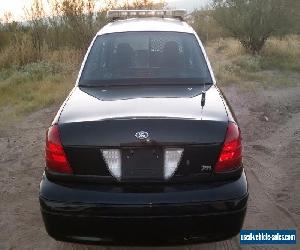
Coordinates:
(56, 159)
(230, 157)
(118, 14)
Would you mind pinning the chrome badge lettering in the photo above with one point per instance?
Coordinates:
(142, 135)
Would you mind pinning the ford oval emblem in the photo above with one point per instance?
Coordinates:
(142, 135)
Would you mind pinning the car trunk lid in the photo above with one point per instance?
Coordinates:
(91, 122)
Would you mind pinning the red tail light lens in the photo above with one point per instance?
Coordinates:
(231, 154)
(56, 159)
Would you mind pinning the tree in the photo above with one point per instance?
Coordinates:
(9, 30)
(2, 35)
(252, 22)
(79, 16)
(35, 15)
(205, 25)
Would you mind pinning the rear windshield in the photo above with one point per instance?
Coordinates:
(145, 58)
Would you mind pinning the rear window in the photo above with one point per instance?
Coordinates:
(145, 57)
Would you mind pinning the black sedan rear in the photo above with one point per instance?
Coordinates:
(145, 150)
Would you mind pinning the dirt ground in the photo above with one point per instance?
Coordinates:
(270, 122)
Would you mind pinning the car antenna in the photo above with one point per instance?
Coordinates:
(203, 94)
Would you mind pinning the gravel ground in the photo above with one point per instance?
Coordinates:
(270, 123)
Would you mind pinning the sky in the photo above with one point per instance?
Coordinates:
(13, 6)
(16, 7)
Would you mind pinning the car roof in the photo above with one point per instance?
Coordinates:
(146, 24)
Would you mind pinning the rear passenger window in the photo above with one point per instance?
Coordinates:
(146, 55)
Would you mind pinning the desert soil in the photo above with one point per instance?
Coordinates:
(269, 120)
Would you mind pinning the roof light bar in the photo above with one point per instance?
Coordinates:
(118, 14)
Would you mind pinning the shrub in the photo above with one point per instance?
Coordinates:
(20, 52)
(205, 25)
(253, 22)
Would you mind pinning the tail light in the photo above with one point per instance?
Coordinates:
(231, 154)
(56, 159)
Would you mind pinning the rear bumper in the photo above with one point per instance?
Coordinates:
(171, 215)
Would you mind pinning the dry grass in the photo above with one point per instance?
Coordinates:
(33, 87)
(22, 52)
(29, 82)
(221, 54)
(282, 54)
(71, 58)
(279, 61)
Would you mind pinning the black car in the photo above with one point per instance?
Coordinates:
(145, 150)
